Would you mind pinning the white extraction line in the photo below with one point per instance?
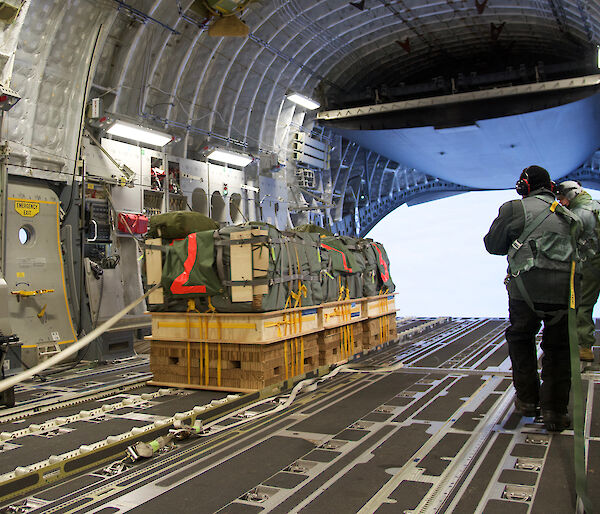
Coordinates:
(73, 348)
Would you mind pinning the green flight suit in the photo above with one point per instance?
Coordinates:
(583, 205)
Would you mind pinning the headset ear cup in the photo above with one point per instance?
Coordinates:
(522, 187)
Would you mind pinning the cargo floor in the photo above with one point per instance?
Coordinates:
(437, 435)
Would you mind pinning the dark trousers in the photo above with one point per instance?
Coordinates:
(556, 371)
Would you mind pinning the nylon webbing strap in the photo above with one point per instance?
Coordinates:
(539, 219)
(521, 287)
(578, 407)
(219, 257)
(252, 240)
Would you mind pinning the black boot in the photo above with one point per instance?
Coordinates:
(555, 421)
(530, 410)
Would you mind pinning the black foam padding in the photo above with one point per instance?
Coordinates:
(593, 471)
(377, 417)
(506, 507)
(533, 451)
(468, 421)
(556, 488)
(449, 446)
(420, 388)
(317, 483)
(221, 485)
(504, 385)
(46, 416)
(33, 449)
(399, 401)
(487, 404)
(417, 404)
(285, 480)
(124, 410)
(351, 434)
(595, 421)
(443, 407)
(518, 477)
(479, 483)
(240, 508)
(407, 495)
(454, 347)
(173, 404)
(351, 491)
(76, 484)
(319, 455)
(345, 412)
(496, 358)
(512, 422)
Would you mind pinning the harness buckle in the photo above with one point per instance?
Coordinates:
(517, 244)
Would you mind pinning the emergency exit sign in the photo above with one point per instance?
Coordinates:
(27, 208)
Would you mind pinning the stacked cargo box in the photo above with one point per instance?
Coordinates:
(230, 366)
(257, 293)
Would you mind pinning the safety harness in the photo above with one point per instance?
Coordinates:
(579, 459)
(515, 274)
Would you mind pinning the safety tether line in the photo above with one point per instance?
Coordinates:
(578, 407)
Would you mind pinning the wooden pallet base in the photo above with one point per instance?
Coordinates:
(232, 366)
(338, 344)
(379, 330)
(243, 365)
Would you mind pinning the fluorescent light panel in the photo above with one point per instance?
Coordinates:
(236, 159)
(139, 133)
(304, 101)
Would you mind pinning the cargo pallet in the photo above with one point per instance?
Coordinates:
(245, 352)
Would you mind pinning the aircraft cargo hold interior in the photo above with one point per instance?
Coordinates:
(196, 313)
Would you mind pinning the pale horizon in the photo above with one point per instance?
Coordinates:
(437, 258)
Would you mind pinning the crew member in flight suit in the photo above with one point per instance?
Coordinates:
(577, 200)
(535, 233)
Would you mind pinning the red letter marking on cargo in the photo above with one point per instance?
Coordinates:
(349, 270)
(384, 276)
(178, 286)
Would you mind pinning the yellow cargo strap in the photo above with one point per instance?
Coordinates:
(191, 306)
(211, 307)
(206, 364)
(218, 364)
(189, 362)
(301, 355)
(285, 359)
(298, 296)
